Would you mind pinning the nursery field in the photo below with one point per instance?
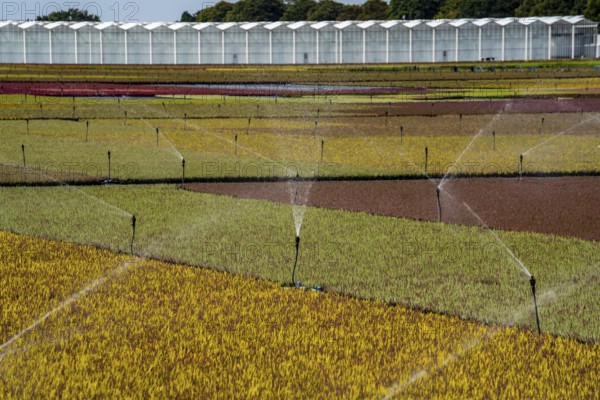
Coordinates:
(148, 140)
(328, 232)
(138, 327)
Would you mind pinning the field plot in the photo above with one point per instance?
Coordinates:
(562, 206)
(160, 330)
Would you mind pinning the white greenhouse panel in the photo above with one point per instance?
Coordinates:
(351, 42)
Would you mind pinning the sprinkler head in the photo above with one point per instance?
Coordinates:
(183, 162)
(532, 282)
(133, 220)
(297, 241)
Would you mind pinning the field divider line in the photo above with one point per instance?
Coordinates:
(73, 298)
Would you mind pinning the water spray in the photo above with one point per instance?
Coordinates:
(109, 165)
(521, 166)
(295, 261)
(537, 318)
(133, 220)
(183, 170)
(439, 205)
(426, 158)
(23, 151)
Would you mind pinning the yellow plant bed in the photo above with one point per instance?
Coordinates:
(154, 330)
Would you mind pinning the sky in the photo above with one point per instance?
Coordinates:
(110, 10)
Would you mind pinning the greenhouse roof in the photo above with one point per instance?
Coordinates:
(577, 19)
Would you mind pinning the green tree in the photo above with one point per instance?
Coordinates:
(349, 12)
(187, 17)
(373, 10)
(298, 10)
(540, 8)
(592, 10)
(413, 9)
(216, 13)
(256, 10)
(325, 10)
(73, 14)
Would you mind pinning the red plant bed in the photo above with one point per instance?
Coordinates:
(564, 206)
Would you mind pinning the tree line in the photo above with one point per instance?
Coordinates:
(331, 10)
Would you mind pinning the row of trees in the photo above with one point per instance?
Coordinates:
(331, 10)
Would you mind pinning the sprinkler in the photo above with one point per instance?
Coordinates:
(157, 132)
(426, 158)
(87, 130)
(401, 131)
(125, 121)
(542, 125)
(41, 111)
(133, 220)
(182, 170)
(27, 123)
(235, 145)
(248, 128)
(257, 106)
(494, 139)
(439, 205)
(184, 121)
(521, 166)
(322, 149)
(109, 165)
(537, 318)
(460, 119)
(24, 161)
(295, 261)
(386, 117)
(316, 126)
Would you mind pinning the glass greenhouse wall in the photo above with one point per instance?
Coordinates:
(355, 42)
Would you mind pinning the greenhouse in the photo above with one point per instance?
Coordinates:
(348, 42)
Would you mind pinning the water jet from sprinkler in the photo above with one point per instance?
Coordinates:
(295, 261)
(183, 170)
(537, 318)
(24, 160)
(133, 221)
(521, 166)
(439, 205)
